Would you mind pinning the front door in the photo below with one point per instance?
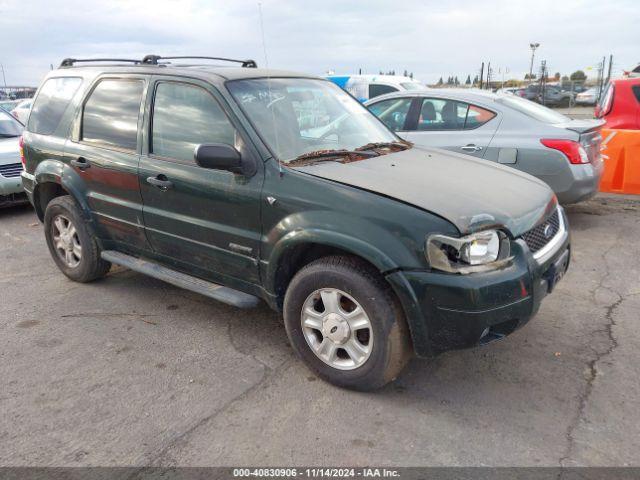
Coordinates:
(196, 217)
(452, 124)
(103, 152)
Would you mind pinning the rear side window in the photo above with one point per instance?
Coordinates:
(110, 115)
(636, 92)
(392, 112)
(185, 116)
(51, 103)
(376, 90)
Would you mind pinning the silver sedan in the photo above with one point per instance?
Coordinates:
(506, 129)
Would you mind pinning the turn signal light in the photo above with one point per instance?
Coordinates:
(22, 159)
(574, 152)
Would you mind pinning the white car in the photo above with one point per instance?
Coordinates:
(21, 111)
(365, 87)
(588, 97)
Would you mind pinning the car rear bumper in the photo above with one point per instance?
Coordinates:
(584, 185)
(449, 311)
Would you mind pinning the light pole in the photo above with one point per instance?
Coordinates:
(533, 52)
(3, 77)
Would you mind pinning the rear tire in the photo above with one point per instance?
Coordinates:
(71, 242)
(345, 323)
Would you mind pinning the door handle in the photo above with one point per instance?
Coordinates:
(80, 163)
(471, 148)
(160, 181)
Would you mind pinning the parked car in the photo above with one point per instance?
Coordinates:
(22, 109)
(619, 104)
(633, 72)
(555, 96)
(504, 129)
(531, 92)
(588, 97)
(8, 105)
(372, 249)
(364, 87)
(11, 191)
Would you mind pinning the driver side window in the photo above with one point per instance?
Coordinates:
(392, 112)
(185, 116)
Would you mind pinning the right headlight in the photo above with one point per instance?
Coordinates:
(478, 252)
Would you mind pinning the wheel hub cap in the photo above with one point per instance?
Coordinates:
(336, 328)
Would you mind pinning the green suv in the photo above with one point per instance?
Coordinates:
(246, 184)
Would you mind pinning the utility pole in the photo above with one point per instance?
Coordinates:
(489, 76)
(533, 47)
(3, 77)
(481, 74)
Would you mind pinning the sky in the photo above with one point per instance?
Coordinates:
(429, 38)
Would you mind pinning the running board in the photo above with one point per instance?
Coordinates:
(208, 289)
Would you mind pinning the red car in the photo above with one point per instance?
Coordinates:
(619, 104)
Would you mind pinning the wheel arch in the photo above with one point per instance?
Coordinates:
(54, 178)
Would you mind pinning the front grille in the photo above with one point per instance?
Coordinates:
(11, 170)
(536, 237)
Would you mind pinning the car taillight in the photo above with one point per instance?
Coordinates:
(21, 145)
(574, 152)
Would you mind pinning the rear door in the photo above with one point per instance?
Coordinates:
(198, 218)
(453, 125)
(103, 151)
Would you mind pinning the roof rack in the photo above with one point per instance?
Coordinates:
(68, 62)
(153, 60)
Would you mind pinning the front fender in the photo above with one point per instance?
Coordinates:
(357, 236)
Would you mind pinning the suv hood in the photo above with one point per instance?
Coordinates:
(471, 193)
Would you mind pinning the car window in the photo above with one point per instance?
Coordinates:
(533, 110)
(441, 114)
(636, 92)
(9, 126)
(477, 116)
(185, 116)
(110, 115)
(51, 103)
(376, 90)
(393, 112)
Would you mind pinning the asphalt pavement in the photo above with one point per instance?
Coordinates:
(132, 371)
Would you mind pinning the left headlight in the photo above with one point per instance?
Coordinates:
(478, 252)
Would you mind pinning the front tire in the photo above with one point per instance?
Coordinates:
(71, 243)
(345, 323)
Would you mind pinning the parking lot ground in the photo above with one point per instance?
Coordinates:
(132, 371)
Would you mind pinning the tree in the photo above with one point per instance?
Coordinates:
(406, 74)
(557, 76)
(476, 80)
(456, 81)
(468, 80)
(565, 78)
(578, 76)
(440, 82)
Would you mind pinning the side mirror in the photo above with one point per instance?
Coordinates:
(218, 156)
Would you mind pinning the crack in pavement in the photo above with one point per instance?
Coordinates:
(592, 365)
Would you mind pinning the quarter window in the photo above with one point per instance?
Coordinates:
(393, 112)
(110, 115)
(185, 116)
(441, 114)
(51, 103)
(376, 90)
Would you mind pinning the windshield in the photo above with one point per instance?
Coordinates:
(533, 110)
(296, 116)
(412, 86)
(9, 126)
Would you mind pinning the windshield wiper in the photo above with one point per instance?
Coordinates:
(369, 146)
(319, 155)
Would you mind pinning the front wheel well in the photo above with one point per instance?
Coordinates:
(43, 194)
(299, 256)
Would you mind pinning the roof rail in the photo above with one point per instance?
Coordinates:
(68, 62)
(153, 60)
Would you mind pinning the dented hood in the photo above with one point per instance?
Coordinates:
(471, 193)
